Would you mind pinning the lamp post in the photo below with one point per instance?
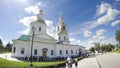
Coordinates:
(33, 31)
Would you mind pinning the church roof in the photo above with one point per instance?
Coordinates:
(24, 38)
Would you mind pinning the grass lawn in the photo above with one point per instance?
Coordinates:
(117, 51)
(13, 64)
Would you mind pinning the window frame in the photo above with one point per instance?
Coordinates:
(22, 50)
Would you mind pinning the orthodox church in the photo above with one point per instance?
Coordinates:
(42, 44)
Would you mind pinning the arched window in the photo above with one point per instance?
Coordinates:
(66, 52)
(39, 29)
(60, 52)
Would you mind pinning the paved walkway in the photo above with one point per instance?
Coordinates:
(8, 57)
(87, 63)
(109, 60)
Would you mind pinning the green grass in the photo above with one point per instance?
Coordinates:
(13, 64)
(117, 51)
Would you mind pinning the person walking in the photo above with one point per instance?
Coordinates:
(69, 62)
(76, 62)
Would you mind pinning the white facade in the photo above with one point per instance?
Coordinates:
(43, 44)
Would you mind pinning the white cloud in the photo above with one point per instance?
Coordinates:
(50, 28)
(103, 8)
(87, 33)
(109, 40)
(27, 20)
(35, 8)
(1, 37)
(100, 32)
(115, 23)
(109, 16)
(75, 41)
(99, 35)
(26, 31)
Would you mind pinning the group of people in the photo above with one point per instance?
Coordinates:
(69, 62)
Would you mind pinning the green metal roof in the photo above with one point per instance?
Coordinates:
(24, 38)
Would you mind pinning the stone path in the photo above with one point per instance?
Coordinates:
(109, 60)
(8, 57)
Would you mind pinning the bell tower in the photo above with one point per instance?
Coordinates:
(62, 35)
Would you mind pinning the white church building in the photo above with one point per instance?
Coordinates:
(43, 44)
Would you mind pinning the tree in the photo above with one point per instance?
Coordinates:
(118, 35)
(9, 46)
(92, 49)
(97, 46)
(1, 43)
(102, 48)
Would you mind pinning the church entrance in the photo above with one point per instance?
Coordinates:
(44, 53)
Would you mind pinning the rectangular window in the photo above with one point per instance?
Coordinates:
(14, 49)
(64, 38)
(66, 52)
(71, 51)
(51, 52)
(35, 51)
(22, 50)
(76, 51)
(39, 29)
(60, 52)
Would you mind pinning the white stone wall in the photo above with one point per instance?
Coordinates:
(50, 46)
(20, 44)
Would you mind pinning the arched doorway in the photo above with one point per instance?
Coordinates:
(44, 53)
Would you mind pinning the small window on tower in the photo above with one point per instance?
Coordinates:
(63, 27)
(64, 38)
(40, 29)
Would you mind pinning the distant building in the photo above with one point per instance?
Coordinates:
(43, 44)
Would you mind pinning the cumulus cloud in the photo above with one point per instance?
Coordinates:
(35, 8)
(75, 41)
(115, 23)
(27, 20)
(110, 15)
(50, 28)
(103, 8)
(99, 35)
(111, 40)
(100, 32)
(87, 33)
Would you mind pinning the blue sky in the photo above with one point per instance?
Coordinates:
(87, 21)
